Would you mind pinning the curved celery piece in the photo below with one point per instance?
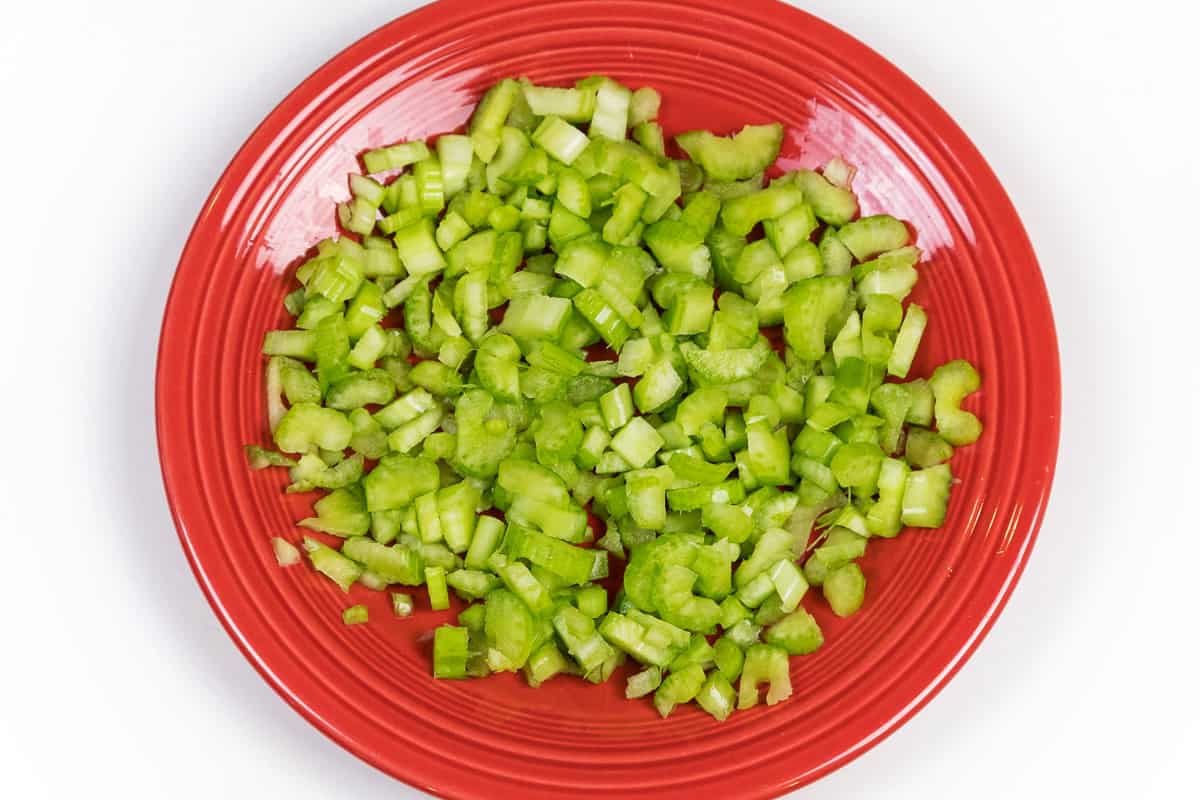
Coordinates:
(678, 247)
(583, 642)
(286, 554)
(260, 458)
(869, 236)
(750, 151)
(726, 366)
(740, 214)
(306, 425)
(906, 256)
(856, 465)
(572, 563)
(836, 205)
(764, 664)
(368, 387)
(755, 258)
(546, 662)
(951, 383)
(835, 258)
(311, 472)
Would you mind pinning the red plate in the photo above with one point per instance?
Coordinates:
(932, 595)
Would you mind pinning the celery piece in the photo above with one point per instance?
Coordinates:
(884, 517)
(395, 156)
(637, 442)
(395, 564)
(797, 633)
(617, 407)
(329, 562)
(402, 604)
(355, 615)
(640, 684)
(583, 642)
(562, 558)
(750, 151)
(573, 105)
(677, 688)
(867, 237)
(908, 338)
(657, 387)
(286, 553)
(924, 448)
(764, 664)
(926, 494)
(484, 541)
(844, 588)
(450, 652)
(633, 638)
(398, 480)
(716, 696)
(950, 383)
(435, 582)
(340, 513)
(455, 154)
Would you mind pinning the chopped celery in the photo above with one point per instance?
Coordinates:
(764, 664)
(450, 652)
(643, 683)
(950, 384)
(582, 333)
(844, 589)
(286, 553)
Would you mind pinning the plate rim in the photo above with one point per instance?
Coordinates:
(363, 47)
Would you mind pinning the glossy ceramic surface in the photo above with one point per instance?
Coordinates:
(931, 595)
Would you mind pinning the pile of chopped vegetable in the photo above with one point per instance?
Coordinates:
(542, 318)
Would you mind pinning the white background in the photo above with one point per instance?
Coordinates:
(116, 119)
